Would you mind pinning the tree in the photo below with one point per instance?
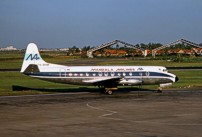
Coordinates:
(86, 48)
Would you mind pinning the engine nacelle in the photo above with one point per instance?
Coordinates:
(130, 82)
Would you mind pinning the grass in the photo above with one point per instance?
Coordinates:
(8, 60)
(151, 63)
(190, 78)
(9, 79)
(15, 61)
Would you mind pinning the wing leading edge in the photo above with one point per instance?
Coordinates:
(107, 82)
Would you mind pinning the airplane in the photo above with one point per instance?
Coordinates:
(106, 77)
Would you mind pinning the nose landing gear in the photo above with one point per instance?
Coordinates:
(159, 90)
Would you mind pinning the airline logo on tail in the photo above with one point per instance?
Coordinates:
(32, 57)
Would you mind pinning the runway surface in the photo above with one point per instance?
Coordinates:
(132, 114)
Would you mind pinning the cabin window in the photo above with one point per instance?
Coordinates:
(112, 73)
(100, 74)
(94, 74)
(147, 73)
(140, 73)
(87, 74)
(106, 73)
(130, 73)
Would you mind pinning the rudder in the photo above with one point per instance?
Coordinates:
(32, 56)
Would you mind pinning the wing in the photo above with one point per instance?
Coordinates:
(108, 82)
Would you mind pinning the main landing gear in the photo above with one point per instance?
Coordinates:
(109, 91)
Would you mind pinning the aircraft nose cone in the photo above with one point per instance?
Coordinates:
(176, 79)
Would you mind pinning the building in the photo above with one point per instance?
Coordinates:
(8, 48)
(64, 49)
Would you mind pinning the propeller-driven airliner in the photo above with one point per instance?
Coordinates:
(106, 77)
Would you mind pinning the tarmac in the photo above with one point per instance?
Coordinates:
(131, 114)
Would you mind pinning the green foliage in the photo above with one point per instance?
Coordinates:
(189, 78)
(9, 79)
(180, 46)
(187, 59)
(150, 46)
(86, 48)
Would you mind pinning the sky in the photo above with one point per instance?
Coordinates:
(67, 23)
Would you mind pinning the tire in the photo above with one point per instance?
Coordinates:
(109, 92)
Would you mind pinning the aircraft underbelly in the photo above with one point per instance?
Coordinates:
(80, 81)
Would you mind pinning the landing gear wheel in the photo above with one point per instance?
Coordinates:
(109, 92)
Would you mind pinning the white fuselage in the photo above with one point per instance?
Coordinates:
(82, 75)
(102, 76)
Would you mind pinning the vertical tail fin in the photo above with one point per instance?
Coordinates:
(32, 57)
